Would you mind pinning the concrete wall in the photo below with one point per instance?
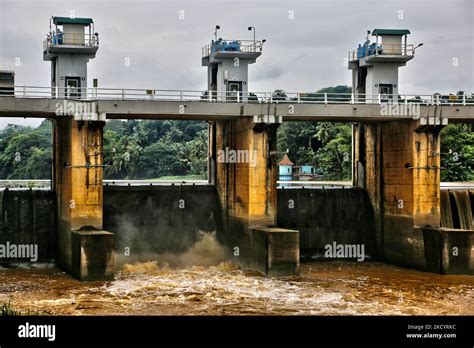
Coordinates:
(145, 219)
(29, 217)
(234, 73)
(385, 73)
(160, 218)
(71, 66)
(392, 44)
(325, 216)
(369, 84)
(449, 251)
(73, 34)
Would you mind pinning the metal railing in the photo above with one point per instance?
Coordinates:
(233, 97)
(246, 46)
(291, 184)
(374, 50)
(70, 39)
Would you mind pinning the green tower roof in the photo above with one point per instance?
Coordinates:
(68, 20)
(390, 32)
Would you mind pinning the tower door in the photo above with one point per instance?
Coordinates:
(386, 91)
(73, 87)
(233, 89)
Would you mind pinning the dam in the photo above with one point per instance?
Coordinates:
(394, 205)
(325, 215)
(182, 269)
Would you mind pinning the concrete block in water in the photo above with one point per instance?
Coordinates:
(448, 250)
(92, 255)
(274, 252)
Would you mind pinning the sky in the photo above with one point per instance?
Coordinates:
(307, 41)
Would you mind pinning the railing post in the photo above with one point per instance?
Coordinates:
(57, 91)
(325, 98)
(464, 99)
(24, 91)
(352, 98)
(379, 99)
(437, 99)
(271, 98)
(406, 100)
(238, 96)
(123, 94)
(299, 98)
(209, 95)
(181, 94)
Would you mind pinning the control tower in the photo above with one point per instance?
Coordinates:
(227, 62)
(84, 249)
(375, 64)
(70, 43)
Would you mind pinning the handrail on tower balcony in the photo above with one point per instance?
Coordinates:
(224, 45)
(71, 39)
(375, 49)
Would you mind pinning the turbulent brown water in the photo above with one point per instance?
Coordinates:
(169, 285)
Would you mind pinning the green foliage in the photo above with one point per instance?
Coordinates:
(325, 145)
(334, 158)
(152, 149)
(7, 310)
(457, 153)
(25, 153)
(252, 97)
(132, 150)
(279, 94)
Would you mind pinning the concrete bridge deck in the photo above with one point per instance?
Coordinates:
(194, 105)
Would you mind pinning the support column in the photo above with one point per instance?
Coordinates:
(398, 163)
(246, 173)
(246, 181)
(84, 249)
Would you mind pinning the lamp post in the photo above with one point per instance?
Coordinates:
(250, 28)
(215, 31)
(419, 45)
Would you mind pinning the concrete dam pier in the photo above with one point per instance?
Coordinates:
(394, 211)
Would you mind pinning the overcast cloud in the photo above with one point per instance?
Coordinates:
(305, 53)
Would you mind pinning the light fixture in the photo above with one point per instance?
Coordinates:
(419, 45)
(250, 28)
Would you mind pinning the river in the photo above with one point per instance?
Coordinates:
(322, 288)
